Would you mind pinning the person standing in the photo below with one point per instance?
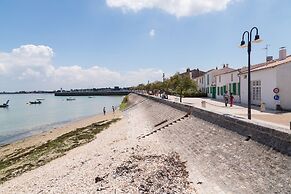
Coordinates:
(226, 97)
(104, 110)
(113, 109)
(231, 99)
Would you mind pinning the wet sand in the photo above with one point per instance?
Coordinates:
(41, 138)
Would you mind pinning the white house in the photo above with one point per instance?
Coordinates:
(266, 77)
(228, 82)
(200, 81)
(210, 78)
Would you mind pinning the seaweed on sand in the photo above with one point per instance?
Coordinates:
(23, 160)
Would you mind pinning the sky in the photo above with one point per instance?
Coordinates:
(53, 44)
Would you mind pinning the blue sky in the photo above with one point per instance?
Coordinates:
(129, 42)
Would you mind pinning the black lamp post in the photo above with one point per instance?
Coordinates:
(249, 45)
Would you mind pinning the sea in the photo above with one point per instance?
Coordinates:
(22, 119)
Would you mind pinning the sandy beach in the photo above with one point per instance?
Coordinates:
(55, 132)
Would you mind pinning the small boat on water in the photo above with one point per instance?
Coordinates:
(4, 105)
(39, 99)
(35, 102)
(70, 99)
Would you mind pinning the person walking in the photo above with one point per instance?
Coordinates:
(113, 109)
(226, 97)
(231, 99)
(104, 110)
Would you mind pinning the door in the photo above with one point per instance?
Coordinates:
(256, 92)
(213, 92)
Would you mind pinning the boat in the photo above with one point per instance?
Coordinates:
(70, 99)
(39, 99)
(35, 102)
(4, 105)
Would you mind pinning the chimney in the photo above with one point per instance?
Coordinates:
(282, 53)
(269, 58)
(223, 65)
(226, 65)
(188, 70)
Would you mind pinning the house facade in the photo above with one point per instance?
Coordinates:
(229, 82)
(200, 82)
(210, 78)
(265, 80)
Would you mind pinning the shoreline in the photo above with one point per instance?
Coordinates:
(54, 132)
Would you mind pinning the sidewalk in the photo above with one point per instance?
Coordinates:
(274, 118)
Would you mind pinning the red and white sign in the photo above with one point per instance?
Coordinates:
(276, 90)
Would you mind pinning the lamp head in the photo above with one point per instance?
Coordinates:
(243, 44)
(257, 39)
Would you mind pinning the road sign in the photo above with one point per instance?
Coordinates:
(276, 97)
(276, 90)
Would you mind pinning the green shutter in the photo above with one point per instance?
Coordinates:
(234, 88)
(238, 88)
(218, 91)
(224, 89)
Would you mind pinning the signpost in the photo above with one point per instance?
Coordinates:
(277, 98)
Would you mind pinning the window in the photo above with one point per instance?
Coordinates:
(231, 77)
(256, 90)
(202, 80)
(218, 91)
(219, 78)
(207, 79)
(245, 76)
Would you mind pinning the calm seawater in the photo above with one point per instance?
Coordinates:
(22, 119)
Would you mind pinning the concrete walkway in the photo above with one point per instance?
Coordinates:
(280, 120)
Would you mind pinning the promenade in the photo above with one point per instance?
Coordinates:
(275, 119)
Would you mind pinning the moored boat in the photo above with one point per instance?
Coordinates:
(70, 99)
(35, 102)
(4, 105)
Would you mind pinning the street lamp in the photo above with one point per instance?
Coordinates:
(249, 45)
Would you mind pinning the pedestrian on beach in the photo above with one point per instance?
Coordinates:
(226, 97)
(231, 99)
(104, 110)
(113, 109)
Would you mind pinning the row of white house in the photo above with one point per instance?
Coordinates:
(269, 82)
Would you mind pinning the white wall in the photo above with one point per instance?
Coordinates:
(200, 81)
(268, 83)
(211, 81)
(284, 85)
(226, 80)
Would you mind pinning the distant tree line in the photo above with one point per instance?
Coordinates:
(178, 85)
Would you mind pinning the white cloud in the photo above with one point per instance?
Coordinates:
(152, 33)
(179, 8)
(30, 67)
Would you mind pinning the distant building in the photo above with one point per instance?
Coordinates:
(265, 77)
(193, 73)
